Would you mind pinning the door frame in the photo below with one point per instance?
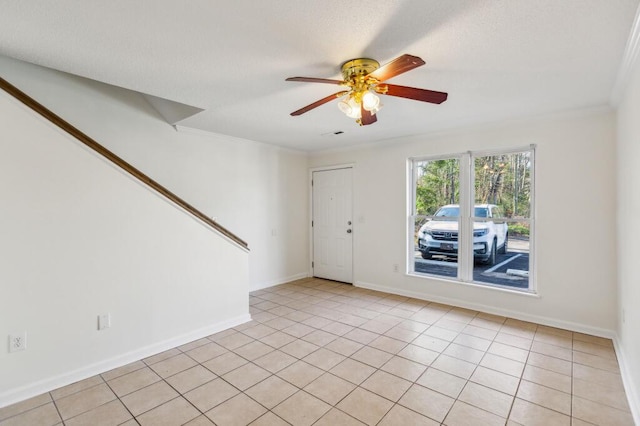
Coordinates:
(351, 166)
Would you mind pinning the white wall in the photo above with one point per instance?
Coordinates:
(575, 219)
(257, 191)
(79, 238)
(629, 236)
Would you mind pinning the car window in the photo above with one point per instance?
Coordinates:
(481, 212)
(448, 212)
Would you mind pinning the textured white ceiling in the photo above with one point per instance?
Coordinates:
(497, 59)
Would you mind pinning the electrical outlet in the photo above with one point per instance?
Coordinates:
(396, 267)
(104, 321)
(18, 342)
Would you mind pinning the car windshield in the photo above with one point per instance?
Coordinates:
(455, 212)
(448, 212)
(481, 212)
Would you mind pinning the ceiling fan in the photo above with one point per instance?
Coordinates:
(364, 79)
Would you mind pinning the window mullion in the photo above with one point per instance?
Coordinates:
(465, 243)
(411, 216)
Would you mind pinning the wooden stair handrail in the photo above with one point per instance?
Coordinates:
(113, 158)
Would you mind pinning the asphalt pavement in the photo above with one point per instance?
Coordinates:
(511, 269)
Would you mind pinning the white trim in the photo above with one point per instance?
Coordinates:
(533, 214)
(631, 389)
(466, 210)
(552, 322)
(452, 156)
(334, 167)
(33, 389)
(629, 59)
(410, 196)
(278, 281)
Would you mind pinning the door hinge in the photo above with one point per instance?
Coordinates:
(312, 224)
(312, 264)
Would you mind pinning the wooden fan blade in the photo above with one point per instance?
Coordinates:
(398, 66)
(414, 93)
(366, 117)
(322, 101)
(314, 80)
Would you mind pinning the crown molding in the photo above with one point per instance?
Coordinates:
(629, 59)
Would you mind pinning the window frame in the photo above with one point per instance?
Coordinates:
(465, 261)
(411, 187)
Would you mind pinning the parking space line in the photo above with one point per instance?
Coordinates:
(438, 263)
(503, 263)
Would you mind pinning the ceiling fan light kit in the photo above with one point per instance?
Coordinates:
(363, 77)
(350, 107)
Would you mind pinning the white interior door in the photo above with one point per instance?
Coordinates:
(332, 224)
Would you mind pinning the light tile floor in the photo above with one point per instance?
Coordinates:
(324, 353)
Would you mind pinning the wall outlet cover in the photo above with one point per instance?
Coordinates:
(18, 342)
(104, 321)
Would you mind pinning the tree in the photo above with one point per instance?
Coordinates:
(503, 179)
(437, 184)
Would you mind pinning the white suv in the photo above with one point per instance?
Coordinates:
(440, 237)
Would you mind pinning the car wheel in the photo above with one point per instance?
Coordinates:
(503, 249)
(426, 255)
(492, 256)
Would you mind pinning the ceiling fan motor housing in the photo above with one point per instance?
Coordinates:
(359, 67)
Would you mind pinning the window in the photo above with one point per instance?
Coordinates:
(471, 217)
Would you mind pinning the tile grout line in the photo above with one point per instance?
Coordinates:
(470, 376)
(119, 399)
(56, 406)
(318, 300)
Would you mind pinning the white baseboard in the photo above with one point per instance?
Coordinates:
(34, 389)
(267, 284)
(551, 322)
(630, 387)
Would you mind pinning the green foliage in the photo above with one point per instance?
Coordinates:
(516, 229)
(503, 179)
(438, 183)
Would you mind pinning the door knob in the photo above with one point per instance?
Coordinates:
(348, 231)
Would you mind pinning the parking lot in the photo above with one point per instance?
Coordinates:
(511, 269)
